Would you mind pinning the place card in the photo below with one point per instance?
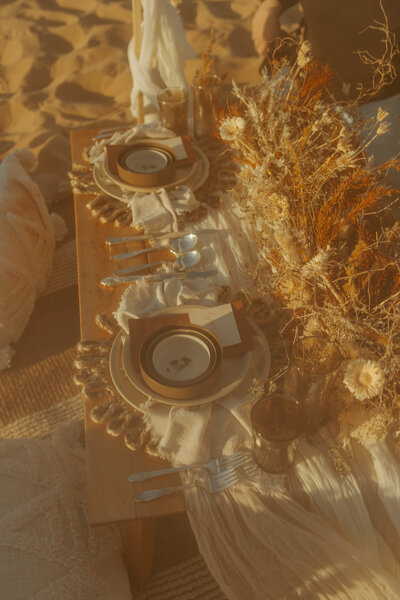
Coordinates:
(183, 148)
(228, 322)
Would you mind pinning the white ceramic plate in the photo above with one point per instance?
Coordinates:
(132, 388)
(193, 176)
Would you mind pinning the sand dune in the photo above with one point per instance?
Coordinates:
(64, 66)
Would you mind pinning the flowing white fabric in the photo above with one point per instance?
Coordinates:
(155, 211)
(163, 39)
(309, 533)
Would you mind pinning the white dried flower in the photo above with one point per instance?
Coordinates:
(382, 114)
(364, 378)
(317, 264)
(231, 128)
(304, 56)
(384, 127)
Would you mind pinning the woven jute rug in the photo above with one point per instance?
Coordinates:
(38, 393)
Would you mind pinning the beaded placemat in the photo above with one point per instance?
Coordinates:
(92, 374)
(222, 176)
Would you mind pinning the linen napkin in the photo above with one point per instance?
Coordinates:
(155, 211)
(158, 211)
(191, 434)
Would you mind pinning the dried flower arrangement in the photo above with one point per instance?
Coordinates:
(321, 217)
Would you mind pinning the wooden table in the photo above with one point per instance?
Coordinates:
(108, 461)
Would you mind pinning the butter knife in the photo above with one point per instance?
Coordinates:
(115, 280)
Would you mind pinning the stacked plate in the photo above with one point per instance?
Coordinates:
(193, 176)
(180, 362)
(196, 365)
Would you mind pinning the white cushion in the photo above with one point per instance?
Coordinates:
(48, 550)
(26, 247)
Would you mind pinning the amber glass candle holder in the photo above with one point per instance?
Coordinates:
(206, 104)
(312, 369)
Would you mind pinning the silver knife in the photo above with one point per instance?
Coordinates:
(114, 280)
(172, 235)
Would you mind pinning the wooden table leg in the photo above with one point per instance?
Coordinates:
(139, 549)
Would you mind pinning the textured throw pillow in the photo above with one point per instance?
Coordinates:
(26, 247)
(48, 550)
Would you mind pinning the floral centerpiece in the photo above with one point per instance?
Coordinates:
(323, 224)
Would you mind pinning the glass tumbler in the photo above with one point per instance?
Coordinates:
(312, 367)
(278, 422)
(173, 103)
(206, 104)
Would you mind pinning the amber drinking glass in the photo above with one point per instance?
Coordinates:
(312, 368)
(278, 422)
(173, 103)
(206, 104)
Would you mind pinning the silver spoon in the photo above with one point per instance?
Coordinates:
(183, 262)
(183, 244)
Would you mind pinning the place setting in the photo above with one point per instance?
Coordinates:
(128, 167)
(192, 355)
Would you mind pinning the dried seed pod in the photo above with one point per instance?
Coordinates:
(104, 411)
(107, 323)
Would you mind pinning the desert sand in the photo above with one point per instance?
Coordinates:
(64, 66)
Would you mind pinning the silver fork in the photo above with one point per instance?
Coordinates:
(214, 483)
(216, 465)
